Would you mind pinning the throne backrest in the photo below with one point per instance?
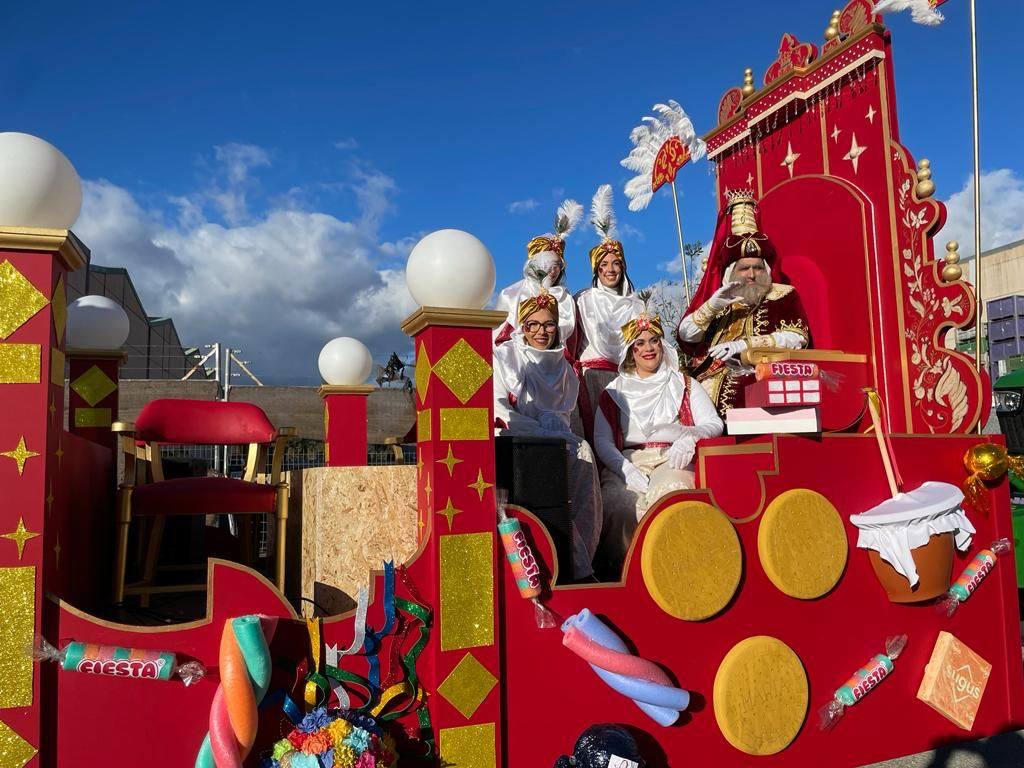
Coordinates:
(203, 422)
(851, 220)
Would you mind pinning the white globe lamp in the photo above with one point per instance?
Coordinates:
(345, 362)
(450, 268)
(97, 323)
(40, 186)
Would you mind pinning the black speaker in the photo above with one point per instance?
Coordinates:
(534, 470)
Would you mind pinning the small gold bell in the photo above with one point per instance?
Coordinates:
(832, 30)
(952, 272)
(748, 83)
(925, 187)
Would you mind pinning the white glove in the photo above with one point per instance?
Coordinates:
(727, 350)
(680, 453)
(722, 299)
(635, 479)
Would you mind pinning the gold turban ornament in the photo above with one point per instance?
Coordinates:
(566, 218)
(543, 300)
(643, 322)
(602, 216)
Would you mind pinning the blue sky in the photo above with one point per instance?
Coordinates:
(285, 157)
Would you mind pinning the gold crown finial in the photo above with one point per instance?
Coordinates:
(748, 83)
(832, 30)
(925, 187)
(742, 215)
(952, 272)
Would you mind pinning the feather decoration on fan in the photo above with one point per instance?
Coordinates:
(569, 214)
(602, 215)
(922, 11)
(662, 144)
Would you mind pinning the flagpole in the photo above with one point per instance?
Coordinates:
(682, 251)
(977, 201)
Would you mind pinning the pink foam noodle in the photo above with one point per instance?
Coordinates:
(612, 661)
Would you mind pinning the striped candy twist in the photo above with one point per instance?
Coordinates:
(634, 677)
(245, 668)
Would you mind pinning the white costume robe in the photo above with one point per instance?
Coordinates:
(649, 414)
(602, 313)
(535, 393)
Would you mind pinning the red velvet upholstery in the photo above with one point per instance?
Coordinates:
(203, 496)
(203, 422)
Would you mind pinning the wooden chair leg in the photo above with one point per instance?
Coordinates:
(156, 538)
(282, 524)
(124, 518)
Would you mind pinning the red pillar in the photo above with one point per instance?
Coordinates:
(93, 398)
(456, 568)
(345, 424)
(33, 314)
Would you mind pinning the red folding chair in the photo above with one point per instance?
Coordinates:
(195, 422)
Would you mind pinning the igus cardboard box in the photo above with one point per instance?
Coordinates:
(954, 681)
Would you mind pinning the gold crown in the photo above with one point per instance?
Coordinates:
(742, 209)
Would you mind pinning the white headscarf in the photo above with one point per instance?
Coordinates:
(652, 402)
(541, 380)
(603, 312)
(530, 285)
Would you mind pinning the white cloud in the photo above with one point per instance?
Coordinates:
(522, 206)
(232, 182)
(281, 283)
(558, 192)
(629, 232)
(1002, 212)
(349, 143)
(673, 266)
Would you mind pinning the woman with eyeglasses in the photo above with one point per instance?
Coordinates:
(535, 392)
(646, 431)
(603, 309)
(545, 269)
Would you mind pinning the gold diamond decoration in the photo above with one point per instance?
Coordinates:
(468, 685)
(94, 385)
(59, 309)
(422, 373)
(15, 752)
(462, 370)
(19, 299)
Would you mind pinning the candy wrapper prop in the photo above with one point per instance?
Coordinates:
(862, 681)
(604, 746)
(638, 679)
(245, 668)
(338, 738)
(973, 575)
(987, 463)
(119, 662)
(954, 681)
(525, 567)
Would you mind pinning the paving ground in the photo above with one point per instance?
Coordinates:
(1005, 751)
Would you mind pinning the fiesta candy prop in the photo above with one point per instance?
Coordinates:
(603, 746)
(973, 575)
(119, 662)
(525, 568)
(636, 678)
(987, 463)
(245, 668)
(862, 681)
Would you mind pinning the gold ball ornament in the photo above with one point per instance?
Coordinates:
(988, 461)
(925, 187)
(952, 272)
(748, 83)
(832, 30)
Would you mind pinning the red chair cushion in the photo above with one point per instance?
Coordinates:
(203, 422)
(203, 496)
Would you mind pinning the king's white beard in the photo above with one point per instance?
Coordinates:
(752, 294)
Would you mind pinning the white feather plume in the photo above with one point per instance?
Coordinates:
(602, 215)
(921, 11)
(654, 130)
(569, 214)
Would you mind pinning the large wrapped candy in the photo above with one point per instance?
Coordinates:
(604, 746)
(93, 659)
(862, 681)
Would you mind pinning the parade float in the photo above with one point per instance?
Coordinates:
(825, 598)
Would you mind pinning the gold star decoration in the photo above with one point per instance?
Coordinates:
(56, 551)
(59, 453)
(790, 159)
(427, 489)
(480, 486)
(871, 114)
(19, 536)
(49, 499)
(856, 150)
(450, 461)
(20, 454)
(835, 133)
(449, 512)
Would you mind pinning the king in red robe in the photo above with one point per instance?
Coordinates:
(744, 302)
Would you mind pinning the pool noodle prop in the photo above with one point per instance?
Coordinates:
(861, 682)
(115, 661)
(972, 576)
(634, 677)
(245, 668)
